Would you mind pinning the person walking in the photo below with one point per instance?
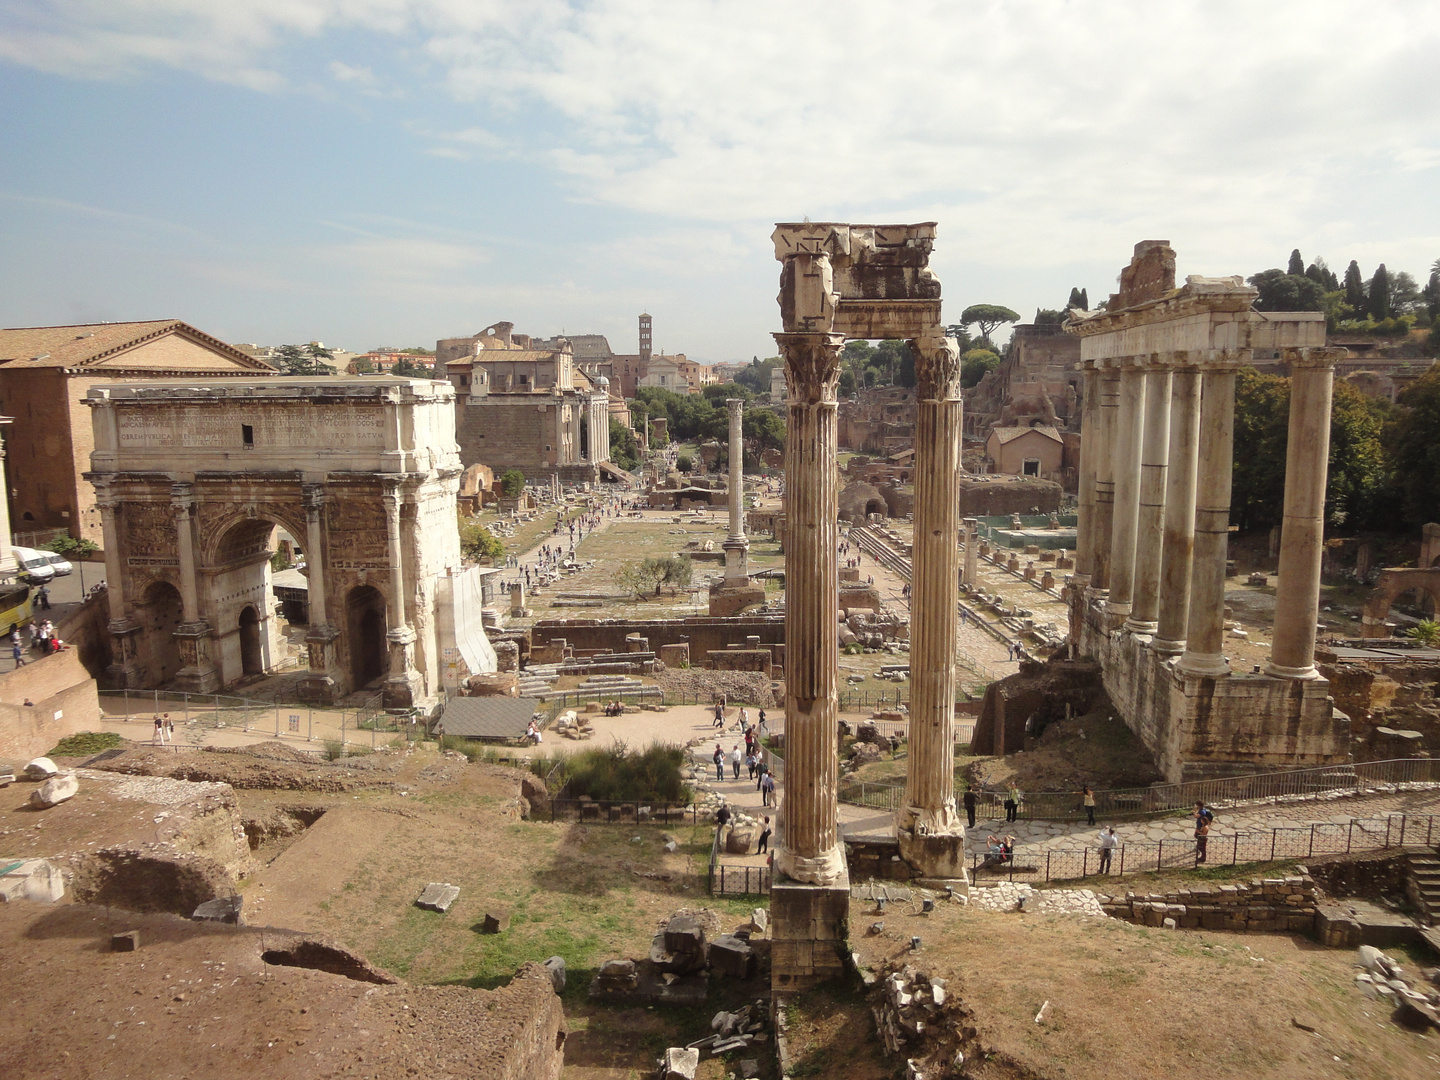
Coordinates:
(969, 801)
(760, 770)
(44, 597)
(719, 758)
(750, 762)
(719, 716)
(158, 739)
(1108, 843)
(1203, 817)
(760, 727)
(735, 759)
(19, 654)
(1087, 800)
(764, 843)
(767, 789)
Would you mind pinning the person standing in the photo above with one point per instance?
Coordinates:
(718, 757)
(735, 758)
(1203, 817)
(761, 768)
(1087, 800)
(1108, 843)
(169, 729)
(18, 653)
(1013, 799)
(767, 789)
(158, 739)
(764, 843)
(44, 597)
(969, 801)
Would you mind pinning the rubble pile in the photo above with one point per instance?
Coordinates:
(920, 1020)
(683, 957)
(1416, 999)
(752, 688)
(730, 1032)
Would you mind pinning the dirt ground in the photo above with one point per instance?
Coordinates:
(1137, 1002)
(1096, 749)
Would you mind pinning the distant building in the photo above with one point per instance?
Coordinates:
(46, 371)
(1026, 451)
(525, 407)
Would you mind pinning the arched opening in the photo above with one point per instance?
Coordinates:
(160, 613)
(365, 626)
(584, 438)
(876, 506)
(252, 658)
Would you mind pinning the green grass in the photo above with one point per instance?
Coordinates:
(86, 742)
(619, 774)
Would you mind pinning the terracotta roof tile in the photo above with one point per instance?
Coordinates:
(89, 343)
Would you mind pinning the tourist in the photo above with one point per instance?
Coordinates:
(1202, 839)
(761, 768)
(44, 597)
(1108, 843)
(719, 758)
(760, 727)
(719, 716)
(744, 717)
(750, 762)
(767, 789)
(735, 758)
(532, 732)
(723, 815)
(159, 737)
(170, 727)
(1087, 800)
(764, 842)
(1013, 798)
(18, 653)
(994, 851)
(969, 801)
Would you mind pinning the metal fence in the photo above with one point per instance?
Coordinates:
(634, 812)
(362, 724)
(1121, 804)
(1259, 846)
(734, 879)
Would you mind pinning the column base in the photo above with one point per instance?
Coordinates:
(935, 855)
(823, 869)
(1141, 627)
(1115, 614)
(1281, 671)
(1167, 646)
(809, 928)
(197, 674)
(1204, 665)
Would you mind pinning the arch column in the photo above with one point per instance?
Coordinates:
(321, 636)
(123, 672)
(197, 674)
(810, 850)
(402, 688)
(930, 834)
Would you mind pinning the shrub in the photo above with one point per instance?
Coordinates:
(473, 750)
(512, 483)
(684, 463)
(86, 742)
(1426, 632)
(335, 750)
(619, 774)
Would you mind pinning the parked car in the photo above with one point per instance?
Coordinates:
(34, 565)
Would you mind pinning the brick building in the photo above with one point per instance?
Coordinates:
(45, 373)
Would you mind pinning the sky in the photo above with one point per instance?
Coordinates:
(389, 172)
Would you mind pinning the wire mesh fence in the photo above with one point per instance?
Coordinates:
(733, 879)
(1233, 849)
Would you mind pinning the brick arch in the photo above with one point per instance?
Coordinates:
(1390, 585)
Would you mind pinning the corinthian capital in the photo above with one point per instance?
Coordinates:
(937, 366)
(812, 366)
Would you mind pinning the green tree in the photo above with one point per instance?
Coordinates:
(1415, 447)
(76, 550)
(1322, 275)
(1287, 292)
(684, 463)
(1297, 264)
(1425, 632)
(1431, 295)
(1378, 294)
(1048, 317)
(1354, 288)
(477, 542)
(1404, 294)
(756, 377)
(1079, 298)
(624, 450)
(319, 358)
(987, 317)
(1359, 492)
(363, 366)
(1262, 416)
(292, 360)
(975, 365)
(650, 576)
(847, 381)
(512, 483)
(764, 429)
(406, 368)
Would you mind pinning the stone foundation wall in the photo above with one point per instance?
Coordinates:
(703, 633)
(1271, 904)
(809, 928)
(65, 703)
(1398, 697)
(739, 660)
(1201, 729)
(1013, 495)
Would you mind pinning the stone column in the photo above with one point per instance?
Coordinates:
(810, 850)
(197, 674)
(1104, 478)
(403, 686)
(930, 834)
(182, 500)
(320, 636)
(1205, 635)
(123, 673)
(1302, 537)
(1150, 529)
(1128, 435)
(736, 545)
(1179, 546)
(972, 551)
(1089, 448)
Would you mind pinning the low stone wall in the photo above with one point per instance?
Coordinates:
(703, 633)
(1371, 876)
(65, 702)
(738, 660)
(1271, 904)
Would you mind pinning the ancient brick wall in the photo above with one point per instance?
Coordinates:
(65, 703)
(1269, 904)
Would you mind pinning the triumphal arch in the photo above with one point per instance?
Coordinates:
(194, 479)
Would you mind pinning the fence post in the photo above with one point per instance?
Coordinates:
(1349, 836)
(1428, 829)
(1311, 853)
(1047, 865)
(1403, 818)
(1160, 856)
(1274, 835)
(1387, 830)
(1122, 860)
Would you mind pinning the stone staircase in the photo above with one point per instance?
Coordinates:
(1423, 885)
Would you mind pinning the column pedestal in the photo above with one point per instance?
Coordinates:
(319, 685)
(809, 925)
(124, 672)
(402, 687)
(197, 674)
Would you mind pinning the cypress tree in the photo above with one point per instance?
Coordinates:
(1077, 299)
(1380, 294)
(1297, 264)
(1354, 288)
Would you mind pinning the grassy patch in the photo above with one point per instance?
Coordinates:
(86, 742)
(619, 774)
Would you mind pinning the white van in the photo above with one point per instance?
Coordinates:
(34, 565)
(58, 563)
